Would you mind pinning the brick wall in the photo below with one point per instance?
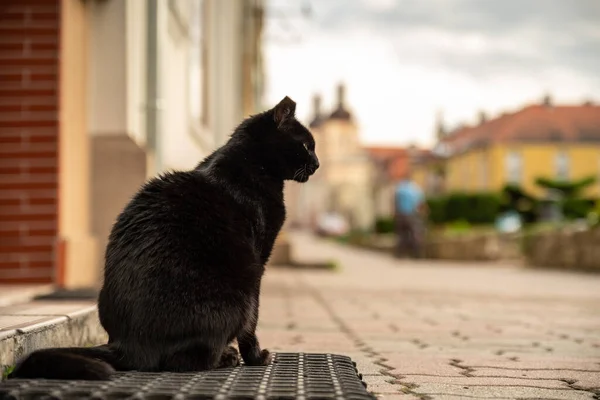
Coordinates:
(29, 44)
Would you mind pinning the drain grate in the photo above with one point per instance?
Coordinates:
(290, 376)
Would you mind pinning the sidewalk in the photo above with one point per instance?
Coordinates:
(440, 330)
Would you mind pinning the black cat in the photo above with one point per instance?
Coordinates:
(186, 256)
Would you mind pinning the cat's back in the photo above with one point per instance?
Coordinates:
(174, 203)
(180, 213)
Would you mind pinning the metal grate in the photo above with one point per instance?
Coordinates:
(290, 376)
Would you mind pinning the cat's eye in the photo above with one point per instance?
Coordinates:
(305, 146)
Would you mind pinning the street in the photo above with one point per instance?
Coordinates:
(429, 330)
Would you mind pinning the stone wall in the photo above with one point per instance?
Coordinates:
(477, 247)
(468, 247)
(565, 249)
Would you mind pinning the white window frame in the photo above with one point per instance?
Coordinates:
(513, 166)
(562, 165)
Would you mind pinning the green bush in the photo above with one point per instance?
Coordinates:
(458, 207)
(577, 208)
(573, 206)
(437, 210)
(567, 188)
(472, 208)
(485, 207)
(384, 225)
(515, 198)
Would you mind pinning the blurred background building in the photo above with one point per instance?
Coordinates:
(343, 184)
(557, 141)
(96, 96)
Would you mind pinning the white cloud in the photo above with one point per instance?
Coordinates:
(397, 79)
(379, 5)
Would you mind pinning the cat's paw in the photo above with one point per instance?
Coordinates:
(229, 358)
(264, 358)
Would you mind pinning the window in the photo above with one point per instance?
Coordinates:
(197, 68)
(483, 172)
(514, 167)
(562, 164)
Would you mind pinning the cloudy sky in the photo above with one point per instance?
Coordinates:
(404, 59)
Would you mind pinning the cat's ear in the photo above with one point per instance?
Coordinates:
(284, 110)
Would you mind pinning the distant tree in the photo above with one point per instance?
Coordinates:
(568, 189)
(572, 203)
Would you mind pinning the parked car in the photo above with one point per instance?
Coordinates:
(332, 224)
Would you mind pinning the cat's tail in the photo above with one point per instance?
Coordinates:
(85, 363)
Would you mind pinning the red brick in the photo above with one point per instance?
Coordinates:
(49, 5)
(10, 202)
(28, 240)
(28, 218)
(26, 176)
(28, 93)
(9, 265)
(28, 209)
(11, 47)
(44, 47)
(17, 136)
(25, 248)
(27, 61)
(28, 122)
(43, 232)
(16, 30)
(9, 233)
(29, 154)
(28, 194)
(26, 170)
(9, 79)
(28, 185)
(47, 256)
(17, 147)
(9, 107)
(19, 278)
(41, 200)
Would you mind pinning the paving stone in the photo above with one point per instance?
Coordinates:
(378, 379)
(385, 388)
(581, 379)
(366, 365)
(417, 365)
(485, 381)
(549, 362)
(504, 392)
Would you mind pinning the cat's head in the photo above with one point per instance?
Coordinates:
(291, 143)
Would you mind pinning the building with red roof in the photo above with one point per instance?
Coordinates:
(539, 140)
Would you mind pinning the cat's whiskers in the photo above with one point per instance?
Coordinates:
(297, 174)
(305, 174)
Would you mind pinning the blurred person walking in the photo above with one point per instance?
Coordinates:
(409, 207)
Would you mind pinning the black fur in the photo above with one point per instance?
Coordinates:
(186, 256)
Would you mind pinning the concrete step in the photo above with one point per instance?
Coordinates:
(15, 294)
(40, 324)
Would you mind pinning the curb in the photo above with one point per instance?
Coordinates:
(33, 329)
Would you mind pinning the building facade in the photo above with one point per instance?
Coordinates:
(540, 140)
(95, 97)
(343, 182)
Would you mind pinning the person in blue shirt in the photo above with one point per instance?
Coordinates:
(409, 204)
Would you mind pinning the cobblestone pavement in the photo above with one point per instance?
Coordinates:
(431, 330)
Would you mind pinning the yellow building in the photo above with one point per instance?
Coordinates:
(542, 140)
